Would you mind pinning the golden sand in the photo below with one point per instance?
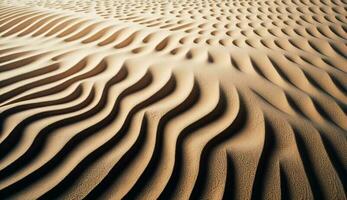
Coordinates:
(206, 99)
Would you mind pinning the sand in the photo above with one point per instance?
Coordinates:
(132, 99)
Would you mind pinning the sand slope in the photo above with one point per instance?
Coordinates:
(173, 99)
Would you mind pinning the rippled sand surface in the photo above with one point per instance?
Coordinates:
(205, 99)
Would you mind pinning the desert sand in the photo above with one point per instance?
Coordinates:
(165, 99)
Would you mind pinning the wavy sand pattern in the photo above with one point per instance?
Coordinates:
(204, 99)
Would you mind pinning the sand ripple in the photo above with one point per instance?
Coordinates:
(173, 99)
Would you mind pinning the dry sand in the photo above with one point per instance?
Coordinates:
(173, 99)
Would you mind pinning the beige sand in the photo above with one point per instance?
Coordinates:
(135, 99)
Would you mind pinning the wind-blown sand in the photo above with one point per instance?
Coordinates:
(173, 99)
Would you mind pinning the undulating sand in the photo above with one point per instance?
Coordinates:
(165, 99)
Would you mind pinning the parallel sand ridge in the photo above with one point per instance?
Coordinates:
(173, 99)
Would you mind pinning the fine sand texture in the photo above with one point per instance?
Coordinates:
(173, 99)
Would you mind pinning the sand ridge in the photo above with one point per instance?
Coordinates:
(173, 99)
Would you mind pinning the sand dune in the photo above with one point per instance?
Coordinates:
(170, 99)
